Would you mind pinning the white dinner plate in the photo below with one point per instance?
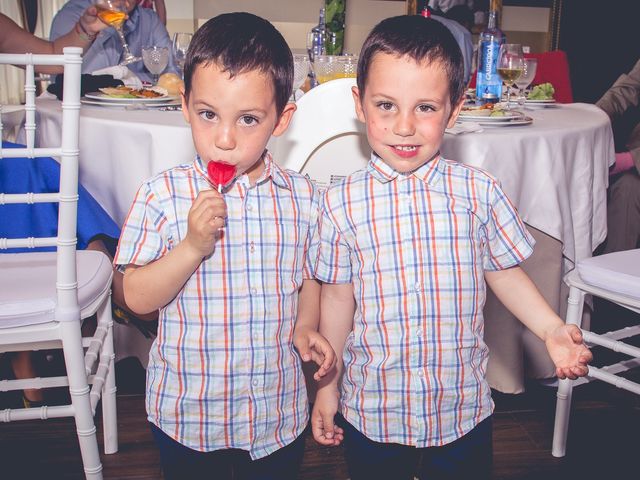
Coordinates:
(522, 120)
(166, 103)
(540, 101)
(471, 117)
(101, 97)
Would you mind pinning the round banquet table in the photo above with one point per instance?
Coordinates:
(119, 148)
(555, 171)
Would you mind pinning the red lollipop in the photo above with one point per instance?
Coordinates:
(220, 173)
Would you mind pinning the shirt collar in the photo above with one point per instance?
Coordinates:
(271, 171)
(429, 172)
(132, 22)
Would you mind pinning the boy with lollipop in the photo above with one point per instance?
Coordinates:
(225, 247)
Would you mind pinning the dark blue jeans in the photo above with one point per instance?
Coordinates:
(183, 463)
(469, 457)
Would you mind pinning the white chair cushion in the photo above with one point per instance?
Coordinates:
(35, 305)
(617, 272)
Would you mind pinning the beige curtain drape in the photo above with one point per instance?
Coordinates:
(12, 78)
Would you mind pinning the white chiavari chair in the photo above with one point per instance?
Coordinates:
(45, 296)
(614, 277)
(325, 138)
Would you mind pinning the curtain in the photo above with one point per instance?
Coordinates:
(12, 78)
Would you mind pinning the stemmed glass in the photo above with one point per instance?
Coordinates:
(300, 71)
(155, 59)
(181, 41)
(510, 65)
(114, 13)
(528, 74)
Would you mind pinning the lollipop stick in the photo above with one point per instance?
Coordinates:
(219, 188)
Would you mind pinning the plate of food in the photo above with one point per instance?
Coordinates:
(487, 113)
(143, 105)
(511, 122)
(541, 95)
(123, 94)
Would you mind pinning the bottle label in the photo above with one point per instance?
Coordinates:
(488, 81)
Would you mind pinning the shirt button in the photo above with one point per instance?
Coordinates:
(254, 291)
(420, 373)
(255, 383)
(418, 287)
(419, 332)
(249, 207)
(252, 247)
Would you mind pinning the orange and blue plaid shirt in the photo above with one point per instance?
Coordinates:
(223, 372)
(415, 247)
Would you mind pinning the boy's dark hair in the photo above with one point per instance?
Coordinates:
(240, 42)
(423, 40)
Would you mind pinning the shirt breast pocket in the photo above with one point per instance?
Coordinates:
(288, 251)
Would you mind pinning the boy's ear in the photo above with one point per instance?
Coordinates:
(455, 111)
(185, 107)
(357, 100)
(285, 119)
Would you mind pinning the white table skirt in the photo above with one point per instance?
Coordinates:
(555, 172)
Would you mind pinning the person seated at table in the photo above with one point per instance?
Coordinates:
(229, 263)
(463, 38)
(158, 6)
(96, 231)
(407, 247)
(621, 103)
(445, 5)
(14, 39)
(142, 28)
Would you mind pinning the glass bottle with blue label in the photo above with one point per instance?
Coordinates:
(488, 82)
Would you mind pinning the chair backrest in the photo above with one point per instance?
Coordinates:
(553, 67)
(67, 196)
(325, 138)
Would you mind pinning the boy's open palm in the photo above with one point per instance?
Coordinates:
(324, 430)
(206, 217)
(568, 352)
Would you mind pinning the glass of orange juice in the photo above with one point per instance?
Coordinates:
(331, 67)
(114, 13)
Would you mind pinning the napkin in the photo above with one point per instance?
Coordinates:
(466, 127)
(88, 83)
(121, 72)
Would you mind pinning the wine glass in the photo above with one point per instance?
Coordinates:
(528, 74)
(156, 60)
(510, 65)
(181, 41)
(300, 71)
(114, 13)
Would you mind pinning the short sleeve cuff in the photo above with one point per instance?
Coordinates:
(515, 256)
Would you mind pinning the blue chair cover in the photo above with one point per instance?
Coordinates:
(42, 175)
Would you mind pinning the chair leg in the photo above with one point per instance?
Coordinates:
(561, 425)
(79, 390)
(565, 387)
(109, 409)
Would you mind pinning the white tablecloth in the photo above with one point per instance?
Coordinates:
(119, 148)
(555, 171)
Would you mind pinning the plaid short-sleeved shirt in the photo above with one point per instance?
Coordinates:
(415, 247)
(223, 372)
